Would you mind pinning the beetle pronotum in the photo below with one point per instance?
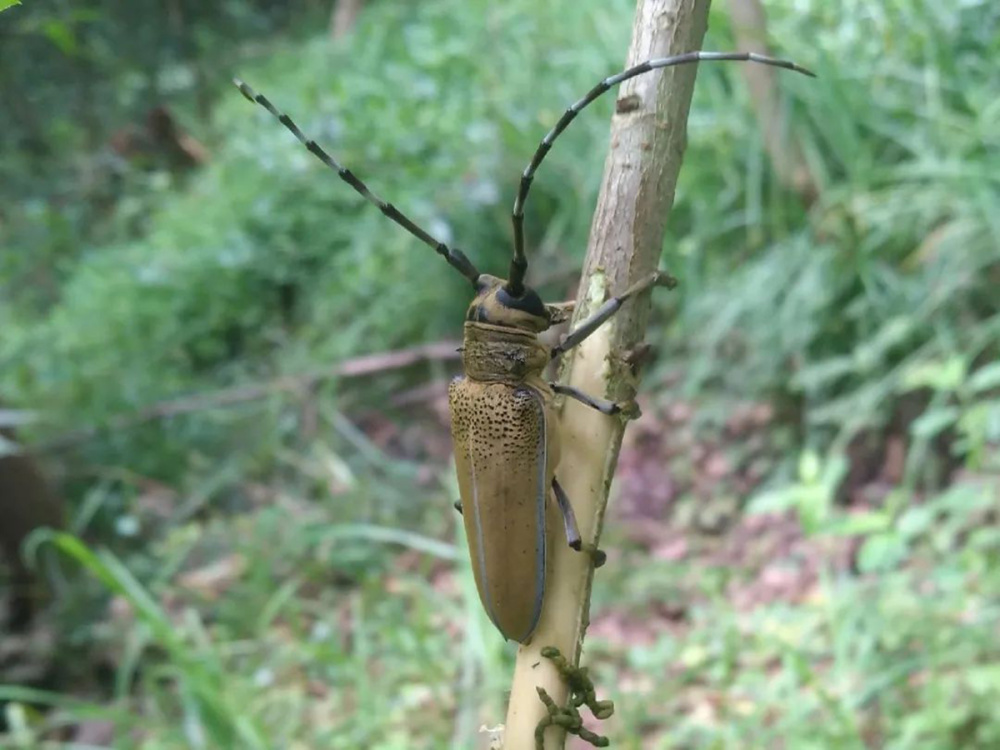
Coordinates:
(506, 441)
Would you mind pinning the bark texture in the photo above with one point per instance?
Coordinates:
(648, 136)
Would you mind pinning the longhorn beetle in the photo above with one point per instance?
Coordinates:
(506, 440)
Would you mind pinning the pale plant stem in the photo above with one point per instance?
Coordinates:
(626, 239)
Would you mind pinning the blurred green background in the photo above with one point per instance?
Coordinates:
(804, 540)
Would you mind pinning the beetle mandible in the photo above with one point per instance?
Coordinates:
(504, 426)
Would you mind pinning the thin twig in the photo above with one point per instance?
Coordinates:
(368, 364)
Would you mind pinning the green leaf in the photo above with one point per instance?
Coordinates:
(860, 524)
(61, 35)
(946, 375)
(881, 552)
(4, 4)
(775, 501)
(934, 422)
(916, 520)
(809, 467)
(985, 378)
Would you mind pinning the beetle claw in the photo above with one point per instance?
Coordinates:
(598, 556)
(629, 409)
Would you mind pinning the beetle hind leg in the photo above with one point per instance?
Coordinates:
(572, 531)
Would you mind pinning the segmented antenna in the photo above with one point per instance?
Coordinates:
(455, 257)
(519, 263)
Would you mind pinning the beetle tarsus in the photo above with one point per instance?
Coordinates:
(457, 505)
(598, 555)
(629, 409)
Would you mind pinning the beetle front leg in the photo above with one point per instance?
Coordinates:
(572, 531)
(609, 308)
(629, 409)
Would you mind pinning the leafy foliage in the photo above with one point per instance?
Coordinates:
(251, 269)
(75, 145)
(896, 264)
(271, 585)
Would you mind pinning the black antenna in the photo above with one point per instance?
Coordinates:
(519, 263)
(456, 258)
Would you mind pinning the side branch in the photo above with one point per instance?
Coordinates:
(351, 368)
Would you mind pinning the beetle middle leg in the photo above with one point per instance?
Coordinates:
(609, 308)
(628, 408)
(572, 531)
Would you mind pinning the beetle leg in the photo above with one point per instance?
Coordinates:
(458, 506)
(629, 408)
(609, 308)
(572, 531)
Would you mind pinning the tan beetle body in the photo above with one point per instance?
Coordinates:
(506, 444)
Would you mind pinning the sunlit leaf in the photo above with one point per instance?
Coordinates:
(933, 422)
(986, 378)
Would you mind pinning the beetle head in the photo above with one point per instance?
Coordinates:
(494, 304)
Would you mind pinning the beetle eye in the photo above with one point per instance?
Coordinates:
(529, 302)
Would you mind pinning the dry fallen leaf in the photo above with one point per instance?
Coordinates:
(213, 580)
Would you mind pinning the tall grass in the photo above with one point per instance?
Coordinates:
(348, 624)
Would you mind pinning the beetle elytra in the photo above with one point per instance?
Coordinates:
(504, 425)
